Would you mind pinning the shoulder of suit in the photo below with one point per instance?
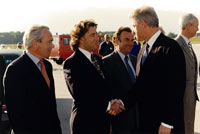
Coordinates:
(132, 56)
(110, 56)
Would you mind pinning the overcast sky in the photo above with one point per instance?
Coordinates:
(61, 15)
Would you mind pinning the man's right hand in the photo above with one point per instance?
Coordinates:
(116, 107)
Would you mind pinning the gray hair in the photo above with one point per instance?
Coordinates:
(147, 14)
(106, 36)
(33, 33)
(186, 19)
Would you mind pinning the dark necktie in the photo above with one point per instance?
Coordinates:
(130, 71)
(145, 54)
(96, 65)
(44, 73)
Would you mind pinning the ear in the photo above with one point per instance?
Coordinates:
(34, 43)
(117, 41)
(81, 40)
(143, 23)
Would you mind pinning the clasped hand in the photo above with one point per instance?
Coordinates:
(116, 107)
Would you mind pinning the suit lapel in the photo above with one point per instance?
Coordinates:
(187, 51)
(121, 66)
(85, 62)
(34, 70)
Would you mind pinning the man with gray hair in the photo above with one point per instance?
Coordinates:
(29, 86)
(189, 26)
(160, 74)
(106, 47)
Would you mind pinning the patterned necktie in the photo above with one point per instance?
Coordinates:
(44, 73)
(191, 50)
(96, 65)
(130, 71)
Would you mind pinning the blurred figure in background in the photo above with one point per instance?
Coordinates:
(189, 26)
(19, 45)
(106, 47)
(136, 47)
(114, 38)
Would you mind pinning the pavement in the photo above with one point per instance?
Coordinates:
(64, 100)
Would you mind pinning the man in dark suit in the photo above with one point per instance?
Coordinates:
(161, 72)
(122, 79)
(29, 86)
(106, 47)
(2, 70)
(86, 82)
(189, 24)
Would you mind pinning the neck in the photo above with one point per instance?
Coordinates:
(34, 53)
(185, 34)
(150, 32)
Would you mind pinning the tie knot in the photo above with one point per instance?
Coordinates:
(126, 58)
(41, 63)
(92, 57)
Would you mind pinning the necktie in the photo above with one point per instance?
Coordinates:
(145, 54)
(191, 50)
(44, 73)
(139, 57)
(130, 71)
(96, 65)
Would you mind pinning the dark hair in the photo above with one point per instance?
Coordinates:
(79, 31)
(122, 29)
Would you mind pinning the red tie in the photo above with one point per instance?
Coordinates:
(44, 73)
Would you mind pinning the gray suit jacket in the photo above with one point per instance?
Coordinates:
(190, 95)
(121, 84)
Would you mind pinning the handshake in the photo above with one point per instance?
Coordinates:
(116, 107)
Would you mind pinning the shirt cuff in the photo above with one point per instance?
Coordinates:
(166, 125)
(108, 108)
(109, 105)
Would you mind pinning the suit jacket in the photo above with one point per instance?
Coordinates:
(2, 70)
(105, 48)
(90, 95)
(120, 82)
(190, 95)
(160, 87)
(31, 104)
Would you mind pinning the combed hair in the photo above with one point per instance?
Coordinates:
(147, 14)
(122, 29)
(186, 19)
(33, 33)
(79, 31)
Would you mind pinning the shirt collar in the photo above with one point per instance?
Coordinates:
(86, 53)
(152, 40)
(32, 57)
(185, 38)
(121, 55)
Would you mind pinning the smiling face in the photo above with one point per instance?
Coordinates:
(126, 42)
(90, 40)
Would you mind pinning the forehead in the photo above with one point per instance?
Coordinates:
(91, 30)
(196, 21)
(134, 22)
(46, 33)
(126, 34)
